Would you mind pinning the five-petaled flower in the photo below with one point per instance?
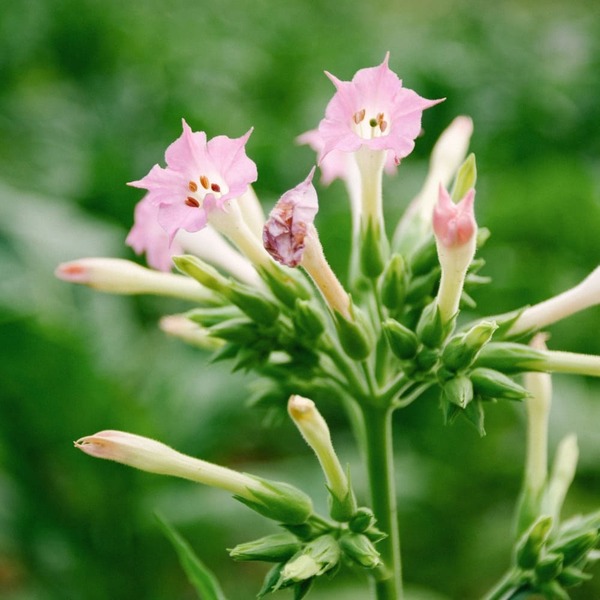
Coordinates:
(200, 177)
(373, 110)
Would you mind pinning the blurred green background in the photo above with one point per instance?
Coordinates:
(91, 93)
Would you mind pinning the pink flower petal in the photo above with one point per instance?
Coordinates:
(454, 224)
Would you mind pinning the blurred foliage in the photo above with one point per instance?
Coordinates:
(91, 94)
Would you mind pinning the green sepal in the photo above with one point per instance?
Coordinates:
(270, 581)
(240, 331)
(571, 576)
(253, 303)
(462, 349)
(355, 334)
(360, 550)
(372, 256)
(309, 530)
(548, 567)
(207, 317)
(287, 285)
(493, 384)
(361, 520)
(277, 547)
(425, 258)
(342, 509)
(402, 341)
(529, 546)
(202, 272)
(553, 591)
(302, 588)
(510, 357)
(430, 328)
(422, 287)
(308, 319)
(394, 283)
(476, 415)
(426, 359)
(279, 501)
(201, 578)
(458, 391)
(466, 177)
(576, 547)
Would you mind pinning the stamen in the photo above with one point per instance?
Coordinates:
(193, 186)
(205, 182)
(192, 202)
(359, 116)
(215, 187)
(381, 122)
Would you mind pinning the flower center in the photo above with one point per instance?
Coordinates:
(369, 127)
(199, 190)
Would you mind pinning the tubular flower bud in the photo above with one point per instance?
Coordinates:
(317, 557)
(580, 297)
(538, 405)
(291, 239)
(120, 276)
(448, 153)
(562, 475)
(180, 326)
(455, 231)
(315, 431)
(272, 499)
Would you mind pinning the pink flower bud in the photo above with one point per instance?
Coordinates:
(454, 224)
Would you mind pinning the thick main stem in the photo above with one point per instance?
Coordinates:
(380, 467)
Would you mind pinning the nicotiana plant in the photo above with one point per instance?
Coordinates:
(263, 295)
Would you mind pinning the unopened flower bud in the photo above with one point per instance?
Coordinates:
(580, 297)
(430, 328)
(562, 475)
(402, 341)
(355, 334)
(548, 567)
(577, 546)
(466, 178)
(372, 258)
(458, 390)
(493, 384)
(271, 548)
(119, 276)
(315, 431)
(531, 543)
(460, 351)
(447, 155)
(317, 557)
(362, 519)
(509, 357)
(180, 326)
(455, 231)
(251, 301)
(394, 283)
(308, 319)
(572, 576)
(360, 550)
(275, 500)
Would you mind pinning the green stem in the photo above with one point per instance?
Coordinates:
(507, 585)
(380, 467)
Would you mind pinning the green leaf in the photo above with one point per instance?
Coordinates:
(200, 577)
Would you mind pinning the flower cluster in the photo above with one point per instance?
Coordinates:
(266, 297)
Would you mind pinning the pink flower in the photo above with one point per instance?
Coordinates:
(373, 110)
(147, 236)
(200, 176)
(454, 224)
(290, 221)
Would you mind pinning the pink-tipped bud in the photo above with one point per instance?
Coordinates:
(119, 276)
(454, 224)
